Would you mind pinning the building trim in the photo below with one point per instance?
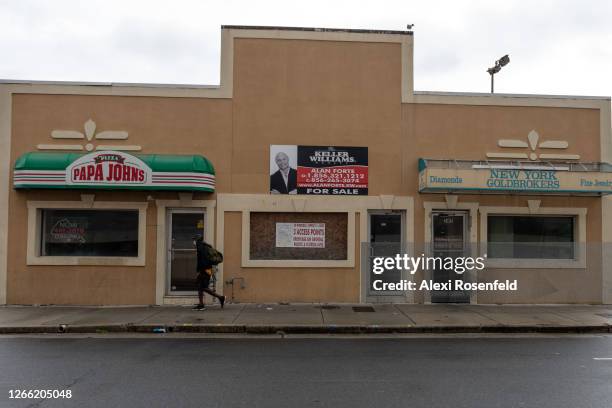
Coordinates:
(5, 178)
(508, 95)
(317, 29)
(606, 204)
(546, 101)
(606, 241)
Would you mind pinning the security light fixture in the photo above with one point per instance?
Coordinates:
(502, 62)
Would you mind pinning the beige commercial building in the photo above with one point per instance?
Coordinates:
(104, 185)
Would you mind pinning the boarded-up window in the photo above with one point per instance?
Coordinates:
(331, 226)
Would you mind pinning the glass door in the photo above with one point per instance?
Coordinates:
(183, 225)
(449, 241)
(386, 240)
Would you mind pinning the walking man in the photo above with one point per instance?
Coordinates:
(204, 269)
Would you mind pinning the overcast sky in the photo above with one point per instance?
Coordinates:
(556, 47)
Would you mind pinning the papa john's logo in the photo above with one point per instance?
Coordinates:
(108, 168)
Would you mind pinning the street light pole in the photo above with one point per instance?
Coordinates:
(502, 62)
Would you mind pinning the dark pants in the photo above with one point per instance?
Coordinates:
(203, 283)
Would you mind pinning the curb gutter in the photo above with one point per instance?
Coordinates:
(301, 329)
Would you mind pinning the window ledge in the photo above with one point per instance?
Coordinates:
(34, 233)
(295, 263)
(86, 260)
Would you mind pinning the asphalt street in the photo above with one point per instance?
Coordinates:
(171, 371)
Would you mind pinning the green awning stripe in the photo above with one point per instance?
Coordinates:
(157, 162)
(148, 188)
(167, 172)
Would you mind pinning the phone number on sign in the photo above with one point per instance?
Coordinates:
(39, 394)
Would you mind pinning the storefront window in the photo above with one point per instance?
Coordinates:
(89, 233)
(531, 237)
(298, 236)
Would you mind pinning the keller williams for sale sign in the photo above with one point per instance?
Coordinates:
(322, 170)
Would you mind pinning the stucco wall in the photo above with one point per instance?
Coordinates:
(284, 284)
(159, 125)
(467, 133)
(294, 92)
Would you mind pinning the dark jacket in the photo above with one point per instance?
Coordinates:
(277, 183)
(202, 255)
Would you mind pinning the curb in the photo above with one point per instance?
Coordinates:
(300, 329)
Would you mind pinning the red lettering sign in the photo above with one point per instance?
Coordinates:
(108, 168)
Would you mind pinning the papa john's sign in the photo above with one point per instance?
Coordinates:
(108, 168)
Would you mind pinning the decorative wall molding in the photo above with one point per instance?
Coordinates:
(88, 198)
(532, 143)
(88, 135)
(534, 206)
(451, 200)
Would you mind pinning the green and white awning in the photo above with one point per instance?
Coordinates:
(113, 170)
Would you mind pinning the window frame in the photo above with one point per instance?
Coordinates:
(346, 231)
(349, 262)
(574, 236)
(579, 260)
(88, 215)
(35, 226)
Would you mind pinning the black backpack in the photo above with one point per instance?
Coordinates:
(214, 257)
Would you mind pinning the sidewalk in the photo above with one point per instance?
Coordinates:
(310, 318)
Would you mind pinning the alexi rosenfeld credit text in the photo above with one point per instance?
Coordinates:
(412, 264)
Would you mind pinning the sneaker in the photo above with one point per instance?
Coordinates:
(199, 307)
(222, 301)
